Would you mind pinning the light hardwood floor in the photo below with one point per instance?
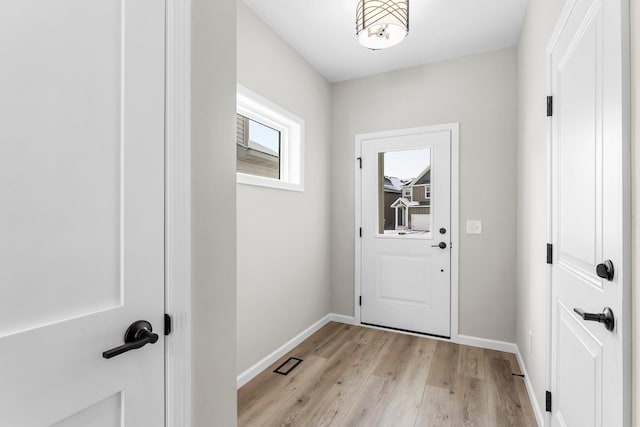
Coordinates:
(355, 376)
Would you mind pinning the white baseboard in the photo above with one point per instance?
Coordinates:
(537, 411)
(507, 347)
(341, 318)
(263, 364)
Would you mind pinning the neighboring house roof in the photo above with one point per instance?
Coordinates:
(392, 184)
(404, 202)
(259, 147)
(424, 176)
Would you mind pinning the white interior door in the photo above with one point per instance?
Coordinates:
(405, 276)
(81, 220)
(588, 217)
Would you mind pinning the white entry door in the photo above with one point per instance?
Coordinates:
(406, 233)
(81, 212)
(589, 275)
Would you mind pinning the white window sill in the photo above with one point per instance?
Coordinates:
(260, 181)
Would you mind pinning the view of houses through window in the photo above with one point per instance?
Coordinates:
(258, 148)
(404, 192)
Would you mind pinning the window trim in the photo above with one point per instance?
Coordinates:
(291, 127)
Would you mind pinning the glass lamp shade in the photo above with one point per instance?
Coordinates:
(382, 23)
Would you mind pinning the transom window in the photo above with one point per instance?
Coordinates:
(269, 143)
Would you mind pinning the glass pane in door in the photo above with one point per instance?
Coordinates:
(404, 193)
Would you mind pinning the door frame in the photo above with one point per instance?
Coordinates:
(454, 128)
(178, 212)
(623, 319)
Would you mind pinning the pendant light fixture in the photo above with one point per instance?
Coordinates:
(382, 23)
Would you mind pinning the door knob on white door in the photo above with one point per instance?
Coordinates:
(139, 334)
(605, 317)
(441, 245)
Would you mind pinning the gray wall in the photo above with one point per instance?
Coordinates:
(283, 236)
(479, 92)
(213, 296)
(532, 192)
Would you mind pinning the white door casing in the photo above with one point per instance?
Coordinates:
(589, 215)
(405, 283)
(82, 218)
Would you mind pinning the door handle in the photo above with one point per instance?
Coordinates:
(138, 334)
(605, 317)
(441, 245)
(605, 270)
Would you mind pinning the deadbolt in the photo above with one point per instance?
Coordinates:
(605, 270)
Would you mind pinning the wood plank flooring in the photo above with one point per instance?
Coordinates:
(356, 376)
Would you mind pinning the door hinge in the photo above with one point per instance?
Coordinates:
(549, 106)
(360, 162)
(549, 253)
(360, 300)
(167, 324)
(548, 402)
(360, 231)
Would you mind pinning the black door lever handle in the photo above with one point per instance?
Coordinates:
(605, 317)
(139, 334)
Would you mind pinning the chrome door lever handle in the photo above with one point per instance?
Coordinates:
(441, 245)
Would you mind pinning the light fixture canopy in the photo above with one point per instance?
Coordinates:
(382, 23)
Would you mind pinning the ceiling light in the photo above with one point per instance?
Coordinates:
(382, 23)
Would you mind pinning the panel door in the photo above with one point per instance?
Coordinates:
(587, 220)
(81, 217)
(406, 214)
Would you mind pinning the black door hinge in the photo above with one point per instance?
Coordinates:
(360, 162)
(360, 231)
(548, 402)
(167, 324)
(360, 300)
(549, 106)
(549, 253)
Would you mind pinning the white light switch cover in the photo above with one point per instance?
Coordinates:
(474, 226)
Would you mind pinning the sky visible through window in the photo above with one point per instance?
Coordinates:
(264, 136)
(406, 164)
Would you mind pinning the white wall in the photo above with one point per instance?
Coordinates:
(479, 92)
(635, 200)
(213, 296)
(532, 191)
(283, 236)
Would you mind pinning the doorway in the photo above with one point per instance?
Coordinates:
(406, 252)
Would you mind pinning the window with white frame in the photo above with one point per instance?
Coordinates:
(269, 143)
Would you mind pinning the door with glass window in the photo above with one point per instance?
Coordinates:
(406, 235)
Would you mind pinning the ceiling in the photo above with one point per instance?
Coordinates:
(323, 32)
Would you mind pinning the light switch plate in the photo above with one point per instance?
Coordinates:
(474, 226)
